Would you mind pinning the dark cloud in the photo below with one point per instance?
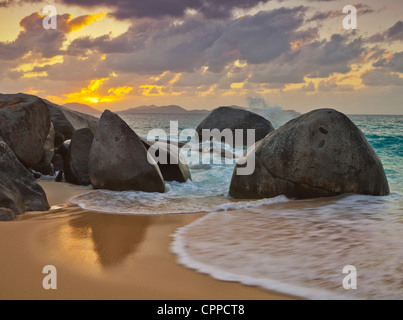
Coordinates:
(362, 9)
(318, 59)
(106, 44)
(42, 43)
(394, 64)
(34, 39)
(124, 9)
(394, 33)
(163, 46)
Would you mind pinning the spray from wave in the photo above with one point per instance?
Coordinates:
(277, 115)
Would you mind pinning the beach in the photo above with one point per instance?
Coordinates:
(103, 256)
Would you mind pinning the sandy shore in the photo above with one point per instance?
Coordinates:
(101, 256)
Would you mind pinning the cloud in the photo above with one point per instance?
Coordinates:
(381, 78)
(362, 9)
(93, 93)
(393, 63)
(394, 33)
(128, 42)
(125, 9)
(80, 22)
(40, 43)
(318, 59)
(10, 3)
(33, 39)
(197, 43)
(75, 69)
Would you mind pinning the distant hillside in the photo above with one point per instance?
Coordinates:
(163, 109)
(79, 107)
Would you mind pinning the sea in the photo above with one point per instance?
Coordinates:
(296, 247)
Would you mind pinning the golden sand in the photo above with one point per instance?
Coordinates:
(102, 256)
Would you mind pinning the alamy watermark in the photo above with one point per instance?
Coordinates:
(350, 281)
(350, 21)
(50, 280)
(222, 145)
(50, 20)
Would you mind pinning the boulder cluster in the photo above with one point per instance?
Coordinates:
(319, 154)
(38, 138)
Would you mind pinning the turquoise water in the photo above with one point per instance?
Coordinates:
(295, 247)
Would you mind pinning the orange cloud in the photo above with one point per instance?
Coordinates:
(83, 21)
(92, 95)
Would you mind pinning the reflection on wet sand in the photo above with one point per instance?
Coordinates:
(103, 240)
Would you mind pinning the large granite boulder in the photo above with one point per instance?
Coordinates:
(18, 190)
(118, 159)
(235, 118)
(24, 126)
(170, 160)
(67, 121)
(76, 161)
(319, 154)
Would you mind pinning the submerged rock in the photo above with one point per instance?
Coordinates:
(235, 118)
(319, 154)
(24, 126)
(76, 161)
(18, 190)
(118, 159)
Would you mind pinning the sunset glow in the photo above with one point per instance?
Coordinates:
(293, 54)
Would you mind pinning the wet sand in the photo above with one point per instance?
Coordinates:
(103, 256)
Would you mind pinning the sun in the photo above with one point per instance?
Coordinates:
(93, 100)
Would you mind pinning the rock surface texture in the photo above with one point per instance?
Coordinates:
(234, 118)
(319, 154)
(76, 162)
(118, 159)
(19, 191)
(24, 126)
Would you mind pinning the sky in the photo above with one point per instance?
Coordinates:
(118, 54)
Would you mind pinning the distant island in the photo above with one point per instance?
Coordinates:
(79, 107)
(277, 115)
(173, 109)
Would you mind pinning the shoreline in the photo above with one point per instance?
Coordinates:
(104, 256)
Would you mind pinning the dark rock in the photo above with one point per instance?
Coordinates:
(67, 121)
(76, 162)
(118, 159)
(18, 190)
(45, 166)
(175, 168)
(319, 154)
(59, 177)
(235, 118)
(59, 139)
(35, 174)
(63, 149)
(58, 163)
(24, 126)
(6, 214)
(45, 169)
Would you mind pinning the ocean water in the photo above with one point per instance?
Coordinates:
(294, 247)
